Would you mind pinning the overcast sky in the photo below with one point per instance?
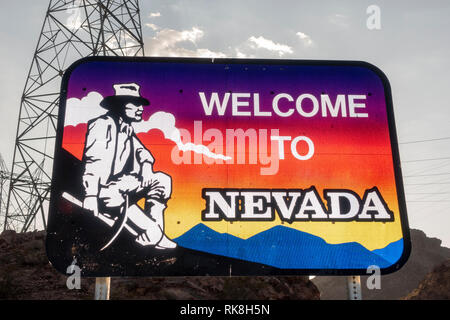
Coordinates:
(412, 49)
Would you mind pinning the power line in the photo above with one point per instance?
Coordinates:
(424, 184)
(430, 159)
(431, 167)
(434, 201)
(420, 193)
(427, 140)
(426, 175)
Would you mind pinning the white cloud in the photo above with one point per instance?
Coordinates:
(339, 20)
(165, 122)
(206, 53)
(240, 54)
(152, 26)
(168, 42)
(191, 35)
(155, 14)
(261, 42)
(306, 40)
(74, 21)
(82, 110)
(123, 43)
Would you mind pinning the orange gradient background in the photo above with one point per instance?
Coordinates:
(348, 155)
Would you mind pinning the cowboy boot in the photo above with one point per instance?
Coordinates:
(157, 213)
(149, 232)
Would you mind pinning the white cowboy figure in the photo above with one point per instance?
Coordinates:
(118, 169)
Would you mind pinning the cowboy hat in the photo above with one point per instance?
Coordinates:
(124, 93)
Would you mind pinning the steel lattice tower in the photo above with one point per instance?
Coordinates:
(72, 29)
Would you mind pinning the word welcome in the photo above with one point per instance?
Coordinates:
(294, 205)
(307, 105)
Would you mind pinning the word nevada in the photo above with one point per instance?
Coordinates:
(294, 205)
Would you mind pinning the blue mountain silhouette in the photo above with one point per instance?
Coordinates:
(392, 252)
(288, 248)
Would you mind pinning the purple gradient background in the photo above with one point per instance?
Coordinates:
(161, 83)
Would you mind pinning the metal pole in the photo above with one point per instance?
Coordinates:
(102, 286)
(354, 288)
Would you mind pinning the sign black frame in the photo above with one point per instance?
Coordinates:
(240, 268)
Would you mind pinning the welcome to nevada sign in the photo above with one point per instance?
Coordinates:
(221, 166)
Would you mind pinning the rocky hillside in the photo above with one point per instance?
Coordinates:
(426, 254)
(435, 286)
(25, 273)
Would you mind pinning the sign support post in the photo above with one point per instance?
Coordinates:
(354, 288)
(102, 287)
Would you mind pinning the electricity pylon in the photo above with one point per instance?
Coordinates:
(5, 178)
(72, 29)
(4, 183)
